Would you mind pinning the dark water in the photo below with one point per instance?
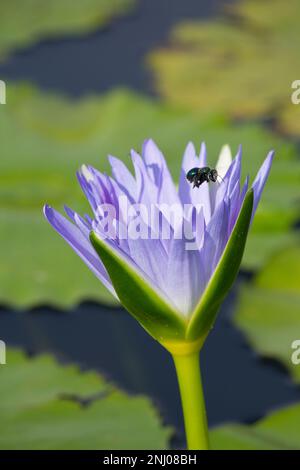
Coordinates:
(238, 386)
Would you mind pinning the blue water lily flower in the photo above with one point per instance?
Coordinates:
(171, 271)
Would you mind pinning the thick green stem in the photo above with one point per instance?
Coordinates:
(192, 399)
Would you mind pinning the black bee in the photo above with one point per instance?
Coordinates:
(197, 176)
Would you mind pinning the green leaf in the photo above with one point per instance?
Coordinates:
(278, 431)
(138, 296)
(24, 23)
(41, 408)
(227, 65)
(55, 135)
(225, 273)
(267, 310)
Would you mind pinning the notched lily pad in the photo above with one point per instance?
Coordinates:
(227, 65)
(26, 22)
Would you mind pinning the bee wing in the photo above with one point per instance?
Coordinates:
(224, 161)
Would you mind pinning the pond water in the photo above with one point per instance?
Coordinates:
(238, 385)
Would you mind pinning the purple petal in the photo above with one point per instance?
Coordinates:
(217, 231)
(85, 186)
(207, 255)
(82, 224)
(195, 218)
(244, 190)
(141, 250)
(151, 257)
(189, 161)
(188, 194)
(202, 155)
(185, 275)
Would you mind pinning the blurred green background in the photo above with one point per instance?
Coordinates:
(88, 79)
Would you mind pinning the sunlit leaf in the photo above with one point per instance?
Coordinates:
(241, 64)
(289, 122)
(138, 295)
(41, 407)
(225, 273)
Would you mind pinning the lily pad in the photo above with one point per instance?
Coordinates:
(45, 138)
(278, 431)
(24, 23)
(241, 64)
(268, 308)
(41, 407)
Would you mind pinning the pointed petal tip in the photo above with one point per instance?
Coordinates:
(202, 154)
(112, 160)
(134, 153)
(226, 149)
(94, 237)
(152, 154)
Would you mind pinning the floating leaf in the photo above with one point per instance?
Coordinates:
(278, 431)
(41, 408)
(263, 245)
(23, 23)
(45, 138)
(268, 308)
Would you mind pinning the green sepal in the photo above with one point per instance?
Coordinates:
(158, 318)
(225, 273)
